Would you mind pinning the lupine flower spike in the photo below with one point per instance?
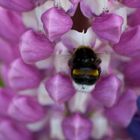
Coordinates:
(69, 70)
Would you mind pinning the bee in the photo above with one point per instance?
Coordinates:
(85, 66)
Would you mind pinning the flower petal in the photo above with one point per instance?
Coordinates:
(22, 76)
(56, 22)
(5, 48)
(4, 69)
(74, 39)
(25, 109)
(106, 90)
(13, 131)
(22, 5)
(134, 18)
(91, 7)
(60, 88)
(131, 3)
(35, 47)
(5, 99)
(129, 43)
(108, 27)
(9, 23)
(131, 73)
(77, 127)
(122, 112)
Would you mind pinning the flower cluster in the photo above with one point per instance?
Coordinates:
(38, 98)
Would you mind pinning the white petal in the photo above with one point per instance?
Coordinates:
(56, 129)
(123, 13)
(40, 10)
(100, 125)
(97, 6)
(61, 58)
(37, 125)
(43, 97)
(64, 4)
(79, 102)
(74, 39)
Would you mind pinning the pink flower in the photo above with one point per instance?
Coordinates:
(23, 76)
(20, 6)
(56, 22)
(35, 47)
(60, 88)
(9, 23)
(77, 127)
(25, 109)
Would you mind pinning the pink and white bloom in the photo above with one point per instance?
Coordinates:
(56, 22)
(35, 47)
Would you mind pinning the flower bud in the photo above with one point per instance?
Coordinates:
(106, 90)
(129, 43)
(11, 26)
(35, 47)
(77, 127)
(25, 109)
(60, 88)
(122, 112)
(56, 22)
(108, 27)
(22, 76)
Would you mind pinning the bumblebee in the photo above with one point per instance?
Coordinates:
(85, 66)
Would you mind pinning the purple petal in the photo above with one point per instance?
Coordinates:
(6, 48)
(5, 99)
(23, 76)
(77, 127)
(108, 27)
(12, 131)
(60, 88)
(106, 90)
(131, 72)
(122, 112)
(56, 22)
(129, 43)
(26, 109)
(134, 18)
(131, 3)
(9, 23)
(20, 5)
(34, 47)
(4, 74)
